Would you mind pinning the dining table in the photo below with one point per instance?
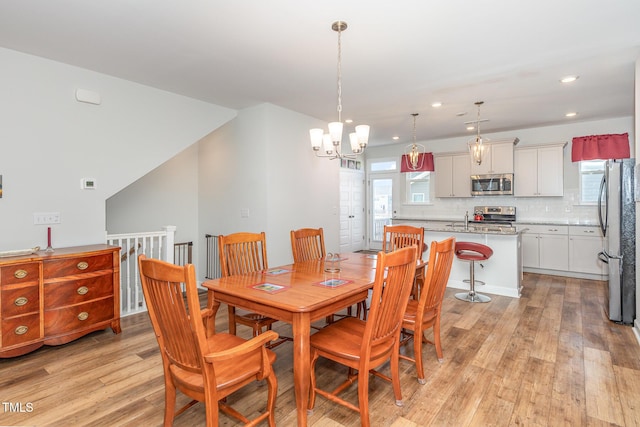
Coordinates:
(300, 294)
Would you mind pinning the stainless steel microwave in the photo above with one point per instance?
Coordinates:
(492, 184)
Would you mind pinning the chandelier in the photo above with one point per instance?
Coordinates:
(476, 145)
(331, 142)
(414, 153)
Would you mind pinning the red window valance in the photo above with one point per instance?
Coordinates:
(425, 160)
(602, 147)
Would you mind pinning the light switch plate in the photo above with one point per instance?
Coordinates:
(40, 218)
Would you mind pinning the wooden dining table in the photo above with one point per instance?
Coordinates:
(300, 294)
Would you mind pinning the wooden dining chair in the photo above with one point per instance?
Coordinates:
(308, 244)
(365, 345)
(242, 253)
(425, 312)
(207, 369)
(400, 236)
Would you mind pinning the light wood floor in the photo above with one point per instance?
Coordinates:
(549, 358)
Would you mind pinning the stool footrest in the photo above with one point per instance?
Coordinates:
(472, 297)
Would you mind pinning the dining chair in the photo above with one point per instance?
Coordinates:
(425, 312)
(399, 236)
(242, 253)
(364, 345)
(308, 244)
(207, 369)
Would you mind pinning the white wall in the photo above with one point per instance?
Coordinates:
(165, 196)
(527, 208)
(49, 142)
(262, 162)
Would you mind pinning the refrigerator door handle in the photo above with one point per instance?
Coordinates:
(602, 256)
(603, 198)
(609, 256)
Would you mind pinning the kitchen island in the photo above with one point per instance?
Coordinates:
(502, 273)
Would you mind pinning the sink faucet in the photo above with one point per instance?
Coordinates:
(466, 221)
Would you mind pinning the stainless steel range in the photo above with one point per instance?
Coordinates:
(499, 215)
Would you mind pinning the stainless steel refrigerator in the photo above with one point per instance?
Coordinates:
(617, 215)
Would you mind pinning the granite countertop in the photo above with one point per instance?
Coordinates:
(574, 222)
(476, 229)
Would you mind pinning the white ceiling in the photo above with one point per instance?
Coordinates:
(397, 57)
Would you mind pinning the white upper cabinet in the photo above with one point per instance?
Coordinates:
(539, 171)
(453, 175)
(498, 158)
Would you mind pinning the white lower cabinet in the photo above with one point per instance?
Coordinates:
(585, 243)
(569, 250)
(546, 247)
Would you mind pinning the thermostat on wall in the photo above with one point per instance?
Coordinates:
(88, 183)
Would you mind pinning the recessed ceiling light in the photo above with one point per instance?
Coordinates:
(436, 104)
(395, 138)
(569, 79)
(471, 127)
(348, 121)
(571, 114)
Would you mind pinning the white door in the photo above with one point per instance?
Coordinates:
(352, 217)
(381, 206)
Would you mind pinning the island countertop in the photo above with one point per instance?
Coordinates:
(439, 224)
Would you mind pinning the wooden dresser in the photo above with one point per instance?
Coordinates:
(51, 298)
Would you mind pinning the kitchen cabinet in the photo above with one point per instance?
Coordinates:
(452, 175)
(51, 298)
(585, 243)
(539, 171)
(546, 247)
(498, 159)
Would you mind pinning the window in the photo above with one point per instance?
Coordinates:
(383, 165)
(591, 172)
(418, 186)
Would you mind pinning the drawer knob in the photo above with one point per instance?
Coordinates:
(83, 265)
(20, 274)
(82, 290)
(83, 316)
(21, 330)
(20, 301)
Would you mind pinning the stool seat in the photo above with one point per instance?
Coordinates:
(471, 251)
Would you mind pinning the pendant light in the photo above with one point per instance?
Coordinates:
(331, 142)
(414, 153)
(476, 145)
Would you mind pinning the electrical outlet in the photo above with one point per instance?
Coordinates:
(41, 218)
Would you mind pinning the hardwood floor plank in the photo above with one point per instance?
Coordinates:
(493, 348)
(602, 394)
(549, 358)
(628, 381)
(534, 397)
(545, 344)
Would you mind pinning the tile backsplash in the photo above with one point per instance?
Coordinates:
(566, 208)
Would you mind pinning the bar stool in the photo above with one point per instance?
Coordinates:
(472, 252)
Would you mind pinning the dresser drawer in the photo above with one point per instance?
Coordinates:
(68, 319)
(69, 292)
(20, 300)
(77, 265)
(20, 273)
(22, 329)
